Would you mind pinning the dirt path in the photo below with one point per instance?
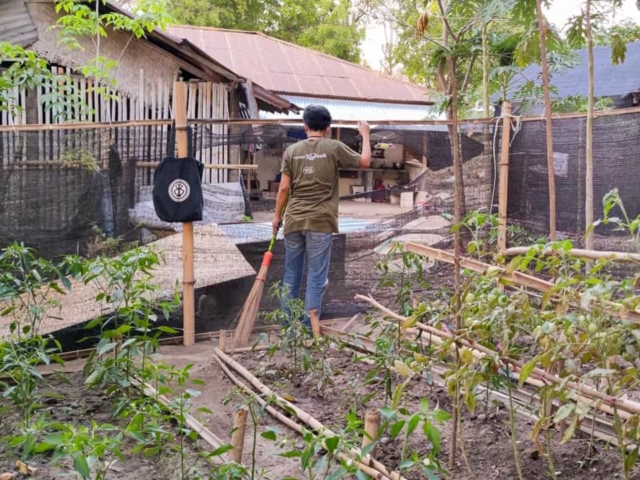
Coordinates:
(217, 395)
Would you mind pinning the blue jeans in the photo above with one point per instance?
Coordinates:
(315, 248)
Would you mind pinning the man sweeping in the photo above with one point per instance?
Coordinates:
(309, 189)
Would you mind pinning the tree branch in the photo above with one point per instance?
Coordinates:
(446, 21)
(467, 78)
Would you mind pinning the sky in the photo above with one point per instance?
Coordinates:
(559, 13)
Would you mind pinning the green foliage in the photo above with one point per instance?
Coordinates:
(330, 26)
(93, 450)
(125, 285)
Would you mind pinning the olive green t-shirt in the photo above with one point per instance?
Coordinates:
(313, 167)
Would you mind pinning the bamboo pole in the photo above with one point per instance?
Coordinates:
(301, 414)
(371, 429)
(576, 252)
(237, 437)
(588, 211)
(529, 281)
(288, 422)
(207, 435)
(222, 340)
(226, 121)
(207, 166)
(347, 326)
(504, 175)
(542, 27)
(621, 403)
(188, 280)
(315, 323)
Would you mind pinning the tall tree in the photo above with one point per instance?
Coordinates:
(583, 29)
(335, 27)
(543, 27)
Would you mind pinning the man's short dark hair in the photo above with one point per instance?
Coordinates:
(317, 118)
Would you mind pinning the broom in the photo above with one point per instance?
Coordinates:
(249, 312)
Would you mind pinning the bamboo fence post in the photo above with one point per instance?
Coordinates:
(371, 429)
(588, 212)
(504, 175)
(188, 280)
(237, 436)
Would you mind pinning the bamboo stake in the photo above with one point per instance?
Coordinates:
(222, 340)
(576, 252)
(191, 422)
(315, 323)
(620, 403)
(588, 212)
(611, 308)
(237, 437)
(371, 429)
(288, 422)
(504, 175)
(188, 280)
(542, 27)
(301, 414)
(604, 429)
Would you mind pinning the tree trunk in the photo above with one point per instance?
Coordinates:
(485, 71)
(588, 211)
(542, 26)
(457, 218)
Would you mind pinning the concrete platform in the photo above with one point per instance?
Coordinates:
(217, 260)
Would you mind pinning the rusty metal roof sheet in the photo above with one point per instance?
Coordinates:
(16, 26)
(290, 69)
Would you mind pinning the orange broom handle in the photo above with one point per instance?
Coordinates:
(268, 256)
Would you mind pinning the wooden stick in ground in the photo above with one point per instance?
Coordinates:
(620, 403)
(305, 417)
(315, 323)
(222, 341)
(237, 437)
(504, 175)
(288, 422)
(371, 429)
(188, 280)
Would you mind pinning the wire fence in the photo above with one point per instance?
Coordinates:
(58, 184)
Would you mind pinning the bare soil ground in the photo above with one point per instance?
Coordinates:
(79, 405)
(487, 437)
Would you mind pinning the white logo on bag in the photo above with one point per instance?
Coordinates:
(179, 190)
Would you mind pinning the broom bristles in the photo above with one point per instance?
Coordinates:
(249, 313)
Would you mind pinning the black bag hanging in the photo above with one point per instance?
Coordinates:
(177, 185)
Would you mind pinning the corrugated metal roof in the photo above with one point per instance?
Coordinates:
(290, 69)
(358, 110)
(16, 26)
(611, 80)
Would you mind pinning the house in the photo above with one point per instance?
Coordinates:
(146, 69)
(303, 77)
(618, 83)
(58, 181)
